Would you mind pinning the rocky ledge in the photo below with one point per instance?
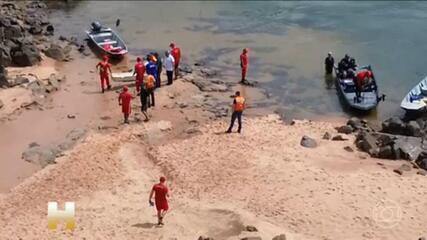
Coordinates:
(392, 139)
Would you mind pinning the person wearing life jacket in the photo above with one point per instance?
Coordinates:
(150, 85)
(104, 73)
(125, 99)
(244, 63)
(151, 66)
(139, 70)
(238, 107)
(176, 54)
(361, 78)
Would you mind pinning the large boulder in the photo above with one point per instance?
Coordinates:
(346, 129)
(355, 123)
(413, 129)
(394, 125)
(5, 59)
(3, 76)
(13, 32)
(25, 55)
(308, 142)
(367, 143)
(57, 52)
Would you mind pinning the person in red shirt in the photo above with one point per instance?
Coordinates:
(139, 70)
(361, 79)
(104, 72)
(125, 99)
(244, 63)
(176, 54)
(161, 195)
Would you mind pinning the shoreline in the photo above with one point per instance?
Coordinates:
(221, 184)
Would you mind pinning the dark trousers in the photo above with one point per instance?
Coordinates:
(144, 100)
(158, 80)
(151, 95)
(170, 77)
(235, 115)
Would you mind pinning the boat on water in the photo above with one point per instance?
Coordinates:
(416, 99)
(370, 96)
(106, 40)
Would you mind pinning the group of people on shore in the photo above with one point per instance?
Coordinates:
(147, 79)
(347, 69)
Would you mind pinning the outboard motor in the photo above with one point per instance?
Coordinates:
(96, 26)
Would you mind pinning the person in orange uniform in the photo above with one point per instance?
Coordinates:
(150, 85)
(176, 54)
(244, 63)
(125, 99)
(139, 70)
(161, 194)
(361, 78)
(104, 72)
(238, 107)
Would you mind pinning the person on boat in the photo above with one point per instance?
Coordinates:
(151, 67)
(176, 53)
(150, 85)
(170, 66)
(159, 69)
(329, 63)
(125, 99)
(160, 192)
(361, 79)
(104, 68)
(238, 107)
(244, 64)
(139, 70)
(344, 64)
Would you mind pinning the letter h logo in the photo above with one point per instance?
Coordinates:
(54, 215)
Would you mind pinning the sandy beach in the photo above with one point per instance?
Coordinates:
(63, 140)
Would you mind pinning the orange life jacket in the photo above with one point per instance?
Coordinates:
(149, 82)
(239, 105)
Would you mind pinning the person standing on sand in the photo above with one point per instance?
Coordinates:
(124, 100)
(238, 107)
(161, 194)
(159, 69)
(104, 68)
(176, 53)
(244, 64)
(151, 67)
(150, 86)
(170, 66)
(139, 70)
(144, 101)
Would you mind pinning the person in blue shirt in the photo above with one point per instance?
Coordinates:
(151, 67)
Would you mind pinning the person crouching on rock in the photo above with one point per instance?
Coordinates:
(161, 195)
(125, 99)
(104, 73)
(238, 107)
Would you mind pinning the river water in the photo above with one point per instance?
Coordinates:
(288, 42)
